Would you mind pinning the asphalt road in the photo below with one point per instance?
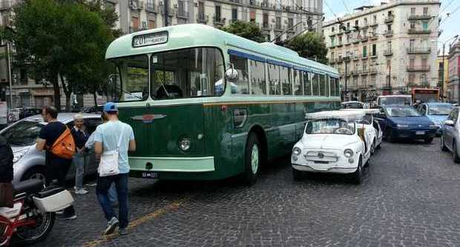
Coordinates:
(409, 197)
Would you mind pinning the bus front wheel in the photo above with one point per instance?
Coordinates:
(252, 160)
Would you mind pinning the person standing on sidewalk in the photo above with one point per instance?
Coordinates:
(80, 135)
(55, 167)
(114, 136)
(6, 173)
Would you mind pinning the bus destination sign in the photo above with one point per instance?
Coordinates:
(150, 39)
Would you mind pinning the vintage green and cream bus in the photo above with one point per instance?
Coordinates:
(205, 104)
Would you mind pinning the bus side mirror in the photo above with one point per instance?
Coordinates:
(231, 74)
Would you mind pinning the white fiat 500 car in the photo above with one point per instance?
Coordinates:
(372, 128)
(332, 142)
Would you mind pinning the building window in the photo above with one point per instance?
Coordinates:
(278, 23)
(135, 21)
(340, 40)
(218, 13)
(425, 25)
(411, 44)
(412, 62)
(425, 11)
(290, 22)
(332, 29)
(252, 16)
(423, 79)
(388, 64)
(374, 50)
(357, 23)
(424, 62)
(152, 24)
(332, 41)
(389, 27)
(201, 10)
(364, 51)
(412, 25)
(265, 20)
(375, 19)
(258, 83)
(411, 79)
(412, 11)
(234, 14)
(389, 46)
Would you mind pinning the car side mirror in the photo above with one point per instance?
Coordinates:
(449, 123)
(231, 74)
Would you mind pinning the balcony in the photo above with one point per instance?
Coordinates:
(355, 57)
(340, 45)
(372, 71)
(202, 18)
(364, 57)
(151, 7)
(364, 38)
(278, 28)
(388, 33)
(418, 31)
(182, 14)
(389, 19)
(423, 50)
(374, 37)
(422, 68)
(374, 24)
(364, 71)
(266, 26)
(419, 17)
(218, 21)
(356, 41)
(388, 52)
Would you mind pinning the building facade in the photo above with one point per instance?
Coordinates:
(387, 49)
(443, 70)
(453, 91)
(277, 19)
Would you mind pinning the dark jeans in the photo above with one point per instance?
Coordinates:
(59, 171)
(102, 191)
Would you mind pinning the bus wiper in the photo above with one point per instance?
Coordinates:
(128, 92)
(166, 91)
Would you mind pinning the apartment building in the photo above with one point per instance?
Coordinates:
(453, 88)
(385, 49)
(279, 19)
(443, 70)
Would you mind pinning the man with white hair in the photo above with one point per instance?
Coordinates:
(80, 135)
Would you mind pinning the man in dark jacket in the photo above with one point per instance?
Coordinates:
(6, 173)
(6, 161)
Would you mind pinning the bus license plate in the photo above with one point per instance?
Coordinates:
(419, 132)
(150, 175)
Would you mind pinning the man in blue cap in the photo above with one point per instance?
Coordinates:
(114, 136)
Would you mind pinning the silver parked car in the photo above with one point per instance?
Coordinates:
(450, 137)
(30, 163)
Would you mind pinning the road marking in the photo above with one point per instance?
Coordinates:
(137, 222)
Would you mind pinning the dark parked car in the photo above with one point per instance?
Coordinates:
(404, 122)
(27, 112)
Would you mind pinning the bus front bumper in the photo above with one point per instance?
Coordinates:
(153, 167)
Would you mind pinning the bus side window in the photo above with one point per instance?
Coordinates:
(274, 79)
(298, 84)
(332, 85)
(322, 85)
(258, 82)
(328, 82)
(241, 65)
(306, 83)
(285, 80)
(315, 82)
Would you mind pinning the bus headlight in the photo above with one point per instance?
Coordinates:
(348, 153)
(184, 143)
(296, 151)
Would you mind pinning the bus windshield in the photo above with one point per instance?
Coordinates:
(187, 73)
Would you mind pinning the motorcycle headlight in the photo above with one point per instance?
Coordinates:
(348, 153)
(184, 143)
(19, 154)
(402, 125)
(296, 151)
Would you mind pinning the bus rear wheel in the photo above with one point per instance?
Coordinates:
(252, 160)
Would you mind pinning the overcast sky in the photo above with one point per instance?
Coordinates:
(450, 25)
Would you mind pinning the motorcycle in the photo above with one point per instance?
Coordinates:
(32, 217)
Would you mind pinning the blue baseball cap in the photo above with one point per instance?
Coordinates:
(110, 107)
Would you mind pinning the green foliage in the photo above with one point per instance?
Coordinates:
(63, 38)
(246, 30)
(309, 45)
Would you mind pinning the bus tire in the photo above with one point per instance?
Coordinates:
(252, 160)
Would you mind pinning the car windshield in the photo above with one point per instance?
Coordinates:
(330, 126)
(354, 105)
(440, 109)
(402, 112)
(394, 100)
(24, 133)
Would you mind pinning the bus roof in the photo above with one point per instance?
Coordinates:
(199, 35)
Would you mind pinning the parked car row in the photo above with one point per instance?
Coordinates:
(28, 162)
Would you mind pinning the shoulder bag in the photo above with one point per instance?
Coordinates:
(108, 165)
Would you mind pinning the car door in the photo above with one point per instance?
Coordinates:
(449, 131)
(381, 118)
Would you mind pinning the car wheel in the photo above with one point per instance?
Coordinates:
(428, 140)
(389, 135)
(34, 173)
(252, 160)
(373, 147)
(357, 176)
(297, 175)
(456, 157)
(443, 145)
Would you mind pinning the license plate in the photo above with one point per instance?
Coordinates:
(150, 175)
(419, 132)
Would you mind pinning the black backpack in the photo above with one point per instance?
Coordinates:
(6, 161)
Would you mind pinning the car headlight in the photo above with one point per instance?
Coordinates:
(184, 143)
(19, 154)
(434, 126)
(296, 151)
(348, 153)
(402, 125)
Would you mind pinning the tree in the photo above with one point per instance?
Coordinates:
(309, 45)
(248, 30)
(61, 39)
